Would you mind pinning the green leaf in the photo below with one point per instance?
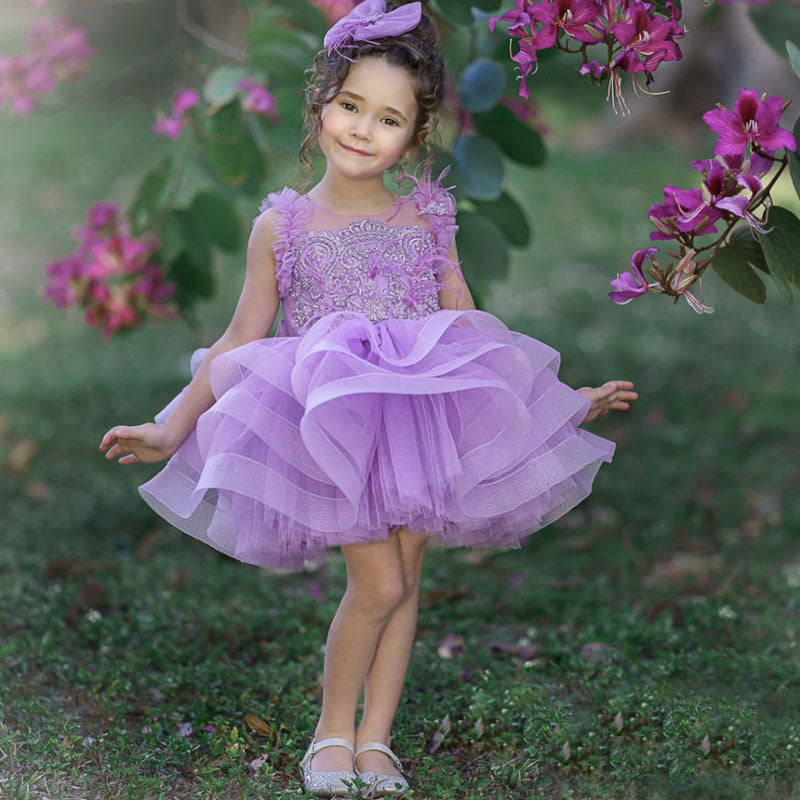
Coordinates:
(516, 139)
(226, 124)
(195, 244)
(794, 56)
(486, 5)
(481, 163)
(150, 195)
(781, 248)
(777, 22)
(481, 84)
(456, 12)
(508, 216)
(742, 240)
(282, 55)
(794, 159)
(220, 86)
(731, 265)
(303, 15)
(191, 277)
(481, 247)
(238, 164)
(214, 216)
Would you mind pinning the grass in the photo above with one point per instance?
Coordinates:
(645, 646)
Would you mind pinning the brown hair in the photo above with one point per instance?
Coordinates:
(416, 51)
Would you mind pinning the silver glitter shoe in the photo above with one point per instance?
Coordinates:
(380, 784)
(322, 783)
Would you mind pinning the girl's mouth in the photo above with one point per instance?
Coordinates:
(354, 150)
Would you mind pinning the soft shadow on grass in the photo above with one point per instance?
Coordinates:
(644, 646)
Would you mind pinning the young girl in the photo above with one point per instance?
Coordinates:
(386, 411)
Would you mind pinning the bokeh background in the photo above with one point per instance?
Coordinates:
(643, 646)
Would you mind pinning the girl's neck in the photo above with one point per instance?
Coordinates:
(344, 196)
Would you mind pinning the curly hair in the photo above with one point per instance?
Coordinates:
(417, 51)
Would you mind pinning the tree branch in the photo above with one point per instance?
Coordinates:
(204, 36)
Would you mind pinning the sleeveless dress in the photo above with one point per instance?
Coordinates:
(372, 407)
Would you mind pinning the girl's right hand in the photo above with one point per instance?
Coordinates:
(145, 444)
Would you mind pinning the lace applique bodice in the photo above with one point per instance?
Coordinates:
(384, 265)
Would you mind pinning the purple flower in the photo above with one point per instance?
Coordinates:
(687, 209)
(630, 285)
(172, 126)
(183, 101)
(572, 16)
(755, 121)
(648, 40)
(258, 100)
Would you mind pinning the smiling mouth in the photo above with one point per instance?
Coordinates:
(354, 150)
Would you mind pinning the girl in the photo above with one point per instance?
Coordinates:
(386, 411)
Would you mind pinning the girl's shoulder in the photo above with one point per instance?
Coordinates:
(434, 202)
(432, 197)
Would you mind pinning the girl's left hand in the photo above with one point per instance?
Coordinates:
(611, 395)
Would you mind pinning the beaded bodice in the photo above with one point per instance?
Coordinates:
(368, 266)
(383, 265)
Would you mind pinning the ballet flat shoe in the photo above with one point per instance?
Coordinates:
(329, 783)
(380, 784)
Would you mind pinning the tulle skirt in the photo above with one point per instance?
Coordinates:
(452, 425)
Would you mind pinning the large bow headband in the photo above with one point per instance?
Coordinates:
(369, 21)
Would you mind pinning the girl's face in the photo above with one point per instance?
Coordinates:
(368, 126)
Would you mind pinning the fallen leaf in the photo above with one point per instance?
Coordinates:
(452, 644)
(522, 650)
(478, 726)
(257, 763)
(257, 725)
(21, 454)
(37, 490)
(178, 578)
(596, 651)
(706, 745)
(566, 752)
(144, 550)
(93, 594)
(618, 721)
(438, 737)
(433, 596)
(682, 566)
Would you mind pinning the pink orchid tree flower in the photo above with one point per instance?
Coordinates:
(57, 52)
(736, 184)
(258, 100)
(110, 274)
(755, 122)
(172, 126)
(630, 285)
(637, 36)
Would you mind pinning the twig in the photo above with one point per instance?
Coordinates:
(204, 36)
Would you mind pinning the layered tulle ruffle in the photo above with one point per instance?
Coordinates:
(452, 425)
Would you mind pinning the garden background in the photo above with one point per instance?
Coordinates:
(644, 646)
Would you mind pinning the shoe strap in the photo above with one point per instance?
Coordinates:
(315, 747)
(383, 748)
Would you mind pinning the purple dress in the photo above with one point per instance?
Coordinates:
(374, 408)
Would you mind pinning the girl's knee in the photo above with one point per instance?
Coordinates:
(379, 593)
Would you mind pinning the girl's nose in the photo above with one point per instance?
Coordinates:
(362, 129)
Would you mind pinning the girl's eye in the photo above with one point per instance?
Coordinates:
(345, 103)
(389, 119)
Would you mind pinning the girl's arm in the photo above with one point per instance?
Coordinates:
(455, 292)
(252, 319)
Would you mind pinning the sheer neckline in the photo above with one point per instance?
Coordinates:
(327, 210)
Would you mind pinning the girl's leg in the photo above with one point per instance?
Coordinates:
(374, 589)
(387, 673)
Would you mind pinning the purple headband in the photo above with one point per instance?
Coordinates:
(369, 21)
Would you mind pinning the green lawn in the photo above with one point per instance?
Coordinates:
(643, 647)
